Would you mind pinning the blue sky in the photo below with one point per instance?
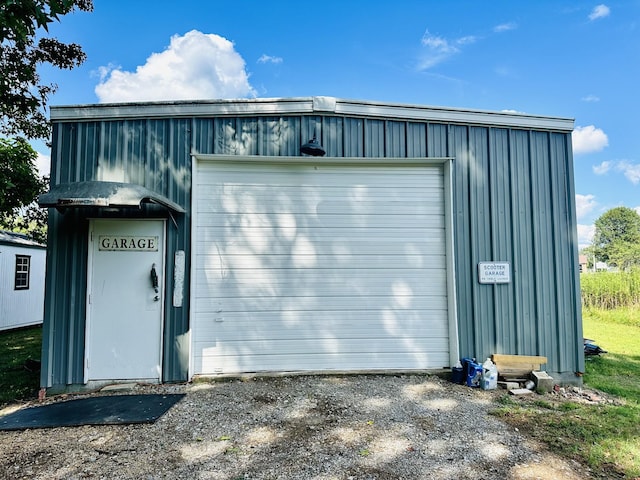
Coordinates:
(575, 59)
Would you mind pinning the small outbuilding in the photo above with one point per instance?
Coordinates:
(305, 234)
(22, 271)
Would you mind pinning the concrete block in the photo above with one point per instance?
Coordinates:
(509, 385)
(520, 391)
(542, 380)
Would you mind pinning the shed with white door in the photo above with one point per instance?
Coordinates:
(201, 238)
(22, 269)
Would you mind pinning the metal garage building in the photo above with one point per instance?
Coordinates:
(195, 238)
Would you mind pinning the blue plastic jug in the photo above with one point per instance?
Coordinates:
(473, 371)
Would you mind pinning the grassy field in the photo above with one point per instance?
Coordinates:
(611, 290)
(16, 381)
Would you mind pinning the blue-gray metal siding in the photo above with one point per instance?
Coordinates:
(153, 153)
(513, 200)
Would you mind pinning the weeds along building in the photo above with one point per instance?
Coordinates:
(305, 234)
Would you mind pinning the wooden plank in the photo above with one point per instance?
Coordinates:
(516, 371)
(517, 366)
(510, 359)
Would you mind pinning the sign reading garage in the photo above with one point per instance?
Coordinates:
(117, 243)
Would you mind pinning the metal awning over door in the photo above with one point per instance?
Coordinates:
(103, 194)
(320, 265)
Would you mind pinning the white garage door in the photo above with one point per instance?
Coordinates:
(318, 267)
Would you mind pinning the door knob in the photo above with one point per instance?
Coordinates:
(154, 279)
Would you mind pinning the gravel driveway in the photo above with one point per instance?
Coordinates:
(301, 427)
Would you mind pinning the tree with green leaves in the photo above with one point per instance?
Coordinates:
(30, 220)
(23, 98)
(24, 48)
(20, 184)
(617, 237)
(19, 181)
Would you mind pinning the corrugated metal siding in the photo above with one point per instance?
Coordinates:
(501, 241)
(480, 230)
(65, 294)
(512, 200)
(153, 153)
(353, 137)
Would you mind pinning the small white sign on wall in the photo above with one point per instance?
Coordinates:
(178, 278)
(494, 272)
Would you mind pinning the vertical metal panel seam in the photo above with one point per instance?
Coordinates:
(79, 157)
(465, 263)
(535, 235)
(472, 186)
(405, 126)
(386, 142)
(46, 374)
(551, 169)
(426, 154)
(516, 256)
(365, 152)
(577, 301)
(492, 227)
(568, 270)
(72, 322)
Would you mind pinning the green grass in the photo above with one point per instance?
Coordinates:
(604, 436)
(16, 346)
(617, 373)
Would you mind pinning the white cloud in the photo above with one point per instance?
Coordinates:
(630, 170)
(43, 163)
(590, 98)
(585, 235)
(194, 66)
(603, 168)
(585, 204)
(269, 59)
(637, 209)
(468, 40)
(588, 139)
(627, 168)
(438, 49)
(505, 27)
(600, 11)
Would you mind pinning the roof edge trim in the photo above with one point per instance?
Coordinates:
(318, 105)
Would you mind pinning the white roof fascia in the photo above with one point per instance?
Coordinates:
(454, 115)
(307, 106)
(205, 108)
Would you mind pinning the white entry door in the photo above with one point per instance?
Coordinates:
(124, 305)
